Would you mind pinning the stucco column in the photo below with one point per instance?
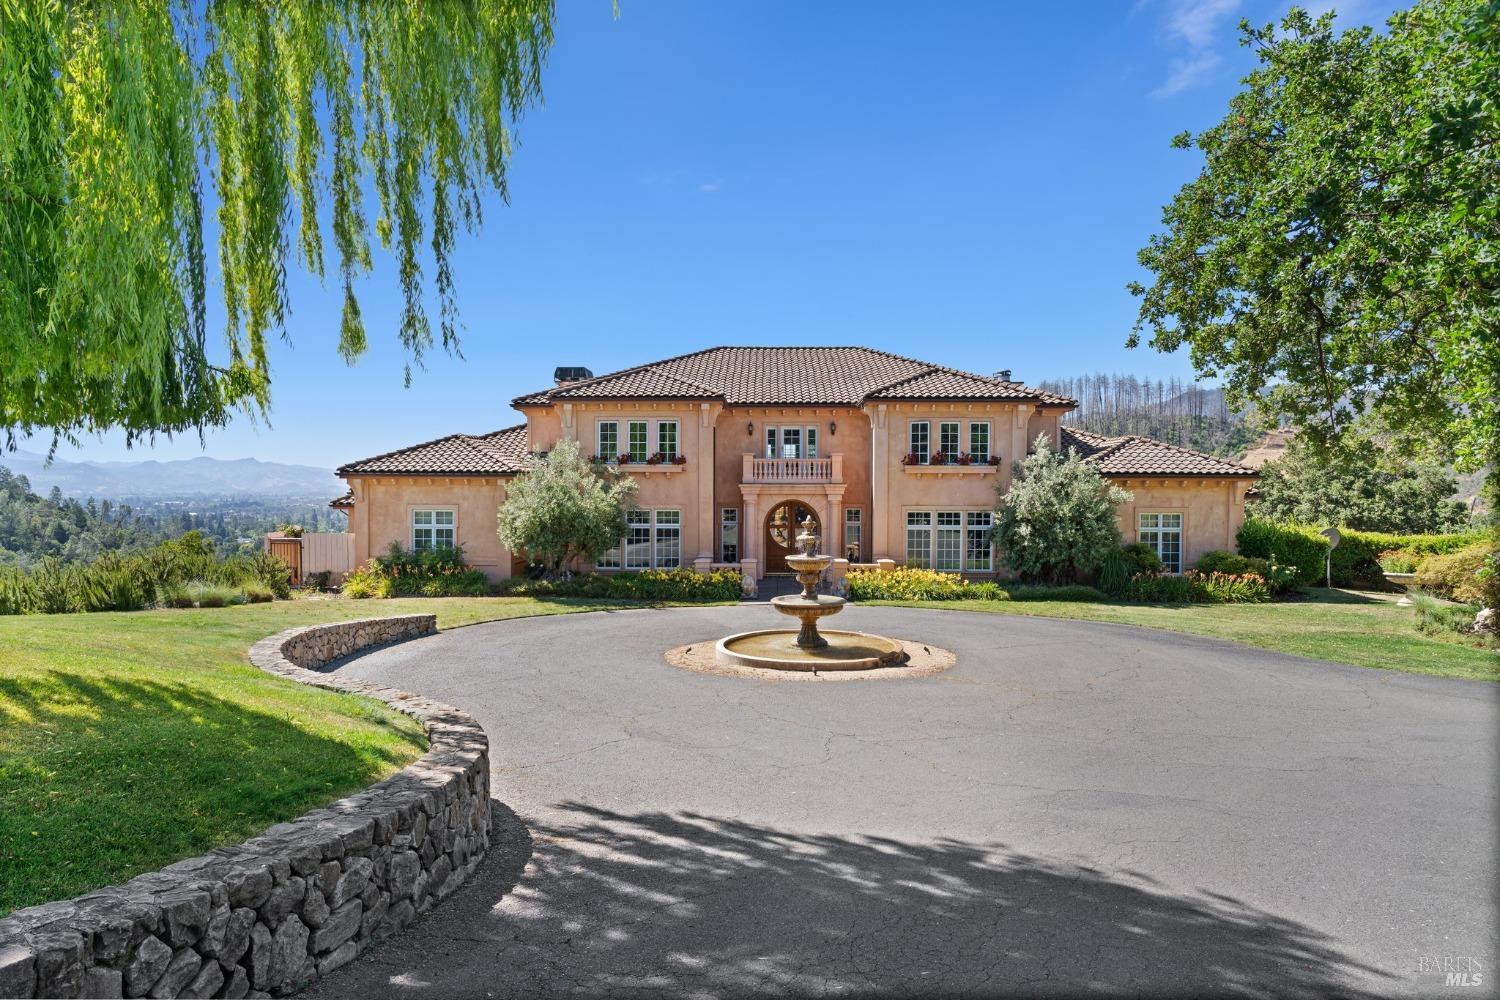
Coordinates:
(880, 499)
(708, 522)
(750, 528)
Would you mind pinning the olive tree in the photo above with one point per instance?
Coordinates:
(565, 509)
(1057, 520)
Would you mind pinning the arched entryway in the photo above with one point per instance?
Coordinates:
(782, 525)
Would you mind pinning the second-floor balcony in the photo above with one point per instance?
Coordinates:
(757, 469)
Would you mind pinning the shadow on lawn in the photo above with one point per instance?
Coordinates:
(648, 904)
(104, 778)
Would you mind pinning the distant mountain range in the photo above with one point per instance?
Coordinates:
(182, 478)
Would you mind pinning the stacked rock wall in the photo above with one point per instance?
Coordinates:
(269, 916)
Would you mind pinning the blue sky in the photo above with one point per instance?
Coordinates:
(967, 183)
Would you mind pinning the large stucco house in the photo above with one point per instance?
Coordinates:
(897, 461)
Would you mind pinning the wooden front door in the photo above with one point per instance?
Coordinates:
(781, 528)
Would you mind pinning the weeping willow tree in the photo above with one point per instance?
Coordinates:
(121, 120)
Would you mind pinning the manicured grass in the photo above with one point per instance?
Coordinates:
(1365, 629)
(129, 740)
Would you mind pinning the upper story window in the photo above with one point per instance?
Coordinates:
(608, 440)
(637, 439)
(920, 443)
(979, 441)
(666, 438)
(791, 442)
(432, 529)
(948, 438)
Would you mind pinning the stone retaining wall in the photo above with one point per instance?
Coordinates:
(269, 916)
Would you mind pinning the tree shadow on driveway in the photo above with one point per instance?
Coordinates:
(593, 902)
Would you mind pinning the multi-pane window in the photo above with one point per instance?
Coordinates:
(854, 530)
(668, 548)
(652, 538)
(638, 539)
(919, 539)
(772, 438)
(791, 442)
(1163, 532)
(729, 534)
(609, 440)
(812, 443)
(948, 552)
(948, 438)
(979, 441)
(666, 438)
(952, 541)
(431, 529)
(637, 439)
(921, 441)
(978, 557)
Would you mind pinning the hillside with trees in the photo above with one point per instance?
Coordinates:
(1169, 410)
(33, 527)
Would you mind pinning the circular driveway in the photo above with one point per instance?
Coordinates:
(1074, 807)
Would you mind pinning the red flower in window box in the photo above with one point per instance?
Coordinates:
(679, 460)
(911, 458)
(994, 459)
(963, 459)
(625, 459)
(938, 458)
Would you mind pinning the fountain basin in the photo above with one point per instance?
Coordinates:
(777, 649)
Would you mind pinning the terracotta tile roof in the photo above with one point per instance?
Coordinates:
(828, 376)
(500, 453)
(1133, 455)
(347, 500)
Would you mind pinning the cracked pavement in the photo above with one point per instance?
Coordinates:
(1073, 808)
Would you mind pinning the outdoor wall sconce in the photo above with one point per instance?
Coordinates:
(833, 427)
(750, 429)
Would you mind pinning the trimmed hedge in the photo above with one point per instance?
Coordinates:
(679, 584)
(1356, 561)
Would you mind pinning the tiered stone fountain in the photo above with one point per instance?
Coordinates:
(807, 648)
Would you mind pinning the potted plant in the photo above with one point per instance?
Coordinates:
(625, 458)
(995, 460)
(656, 458)
(939, 458)
(679, 460)
(911, 458)
(963, 459)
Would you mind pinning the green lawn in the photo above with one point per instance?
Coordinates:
(1365, 629)
(130, 740)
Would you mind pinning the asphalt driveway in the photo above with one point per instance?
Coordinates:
(1074, 807)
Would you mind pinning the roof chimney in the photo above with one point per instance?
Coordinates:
(1003, 375)
(567, 375)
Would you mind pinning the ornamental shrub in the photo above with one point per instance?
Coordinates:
(907, 583)
(1456, 575)
(1158, 588)
(369, 580)
(1294, 545)
(1193, 586)
(1057, 521)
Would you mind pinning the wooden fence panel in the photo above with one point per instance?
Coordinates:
(289, 551)
(330, 551)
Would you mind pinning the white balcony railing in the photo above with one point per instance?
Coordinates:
(793, 470)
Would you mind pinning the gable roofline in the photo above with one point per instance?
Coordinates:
(1013, 391)
(1137, 456)
(492, 460)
